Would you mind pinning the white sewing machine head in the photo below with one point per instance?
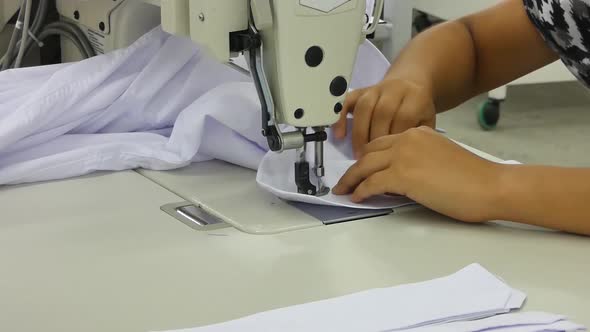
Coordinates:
(301, 55)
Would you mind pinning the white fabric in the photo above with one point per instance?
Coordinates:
(150, 106)
(513, 322)
(276, 174)
(159, 104)
(471, 293)
(272, 177)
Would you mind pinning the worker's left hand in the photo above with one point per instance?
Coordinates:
(428, 168)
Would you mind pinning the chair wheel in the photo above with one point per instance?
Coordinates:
(488, 114)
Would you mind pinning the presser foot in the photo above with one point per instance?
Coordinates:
(304, 185)
(322, 190)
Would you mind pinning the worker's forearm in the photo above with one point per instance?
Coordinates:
(460, 59)
(557, 198)
(443, 60)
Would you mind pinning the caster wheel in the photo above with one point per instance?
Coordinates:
(488, 114)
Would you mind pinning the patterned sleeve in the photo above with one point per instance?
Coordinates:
(565, 26)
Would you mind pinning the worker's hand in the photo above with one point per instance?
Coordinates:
(390, 107)
(428, 168)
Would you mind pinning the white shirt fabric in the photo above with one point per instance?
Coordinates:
(159, 104)
(123, 110)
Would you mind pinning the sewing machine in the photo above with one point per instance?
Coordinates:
(301, 83)
(301, 55)
(97, 253)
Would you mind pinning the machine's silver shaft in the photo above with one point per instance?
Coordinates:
(302, 169)
(319, 168)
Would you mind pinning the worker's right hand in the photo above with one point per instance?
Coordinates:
(390, 107)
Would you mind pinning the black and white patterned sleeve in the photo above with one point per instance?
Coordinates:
(565, 26)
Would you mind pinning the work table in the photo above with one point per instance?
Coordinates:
(97, 254)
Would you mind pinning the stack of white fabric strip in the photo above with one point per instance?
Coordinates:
(472, 299)
(514, 322)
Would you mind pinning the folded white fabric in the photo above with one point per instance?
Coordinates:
(122, 110)
(282, 184)
(513, 322)
(276, 174)
(471, 293)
